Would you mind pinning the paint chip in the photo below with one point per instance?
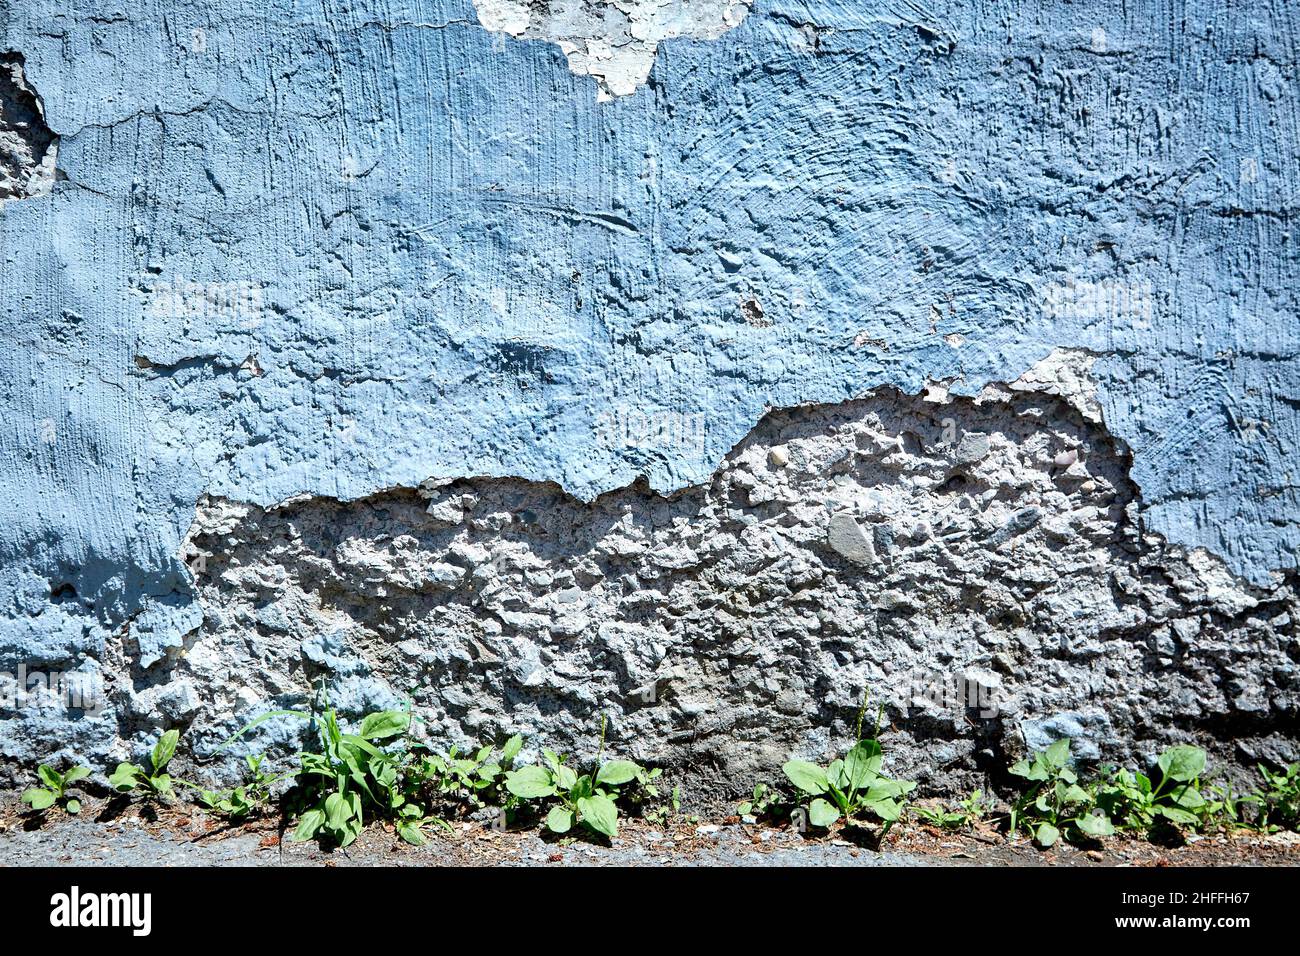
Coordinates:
(615, 43)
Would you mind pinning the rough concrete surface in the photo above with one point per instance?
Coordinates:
(538, 359)
(975, 563)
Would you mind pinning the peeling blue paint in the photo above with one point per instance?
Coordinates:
(330, 249)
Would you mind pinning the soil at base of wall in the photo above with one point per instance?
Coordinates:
(117, 833)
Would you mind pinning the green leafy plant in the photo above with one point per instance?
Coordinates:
(55, 790)
(352, 775)
(1055, 804)
(478, 778)
(1232, 809)
(589, 800)
(234, 804)
(1133, 802)
(340, 773)
(852, 787)
(1279, 801)
(668, 809)
(762, 801)
(968, 812)
(644, 791)
(154, 782)
(252, 796)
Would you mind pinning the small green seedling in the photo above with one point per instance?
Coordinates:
(411, 821)
(234, 804)
(590, 799)
(967, 813)
(1234, 810)
(855, 785)
(1054, 802)
(155, 782)
(55, 790)
(1280, 798)
(662, 813)
(646, 791)
(251, 797)
(763, 800)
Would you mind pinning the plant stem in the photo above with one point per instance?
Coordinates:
(866, 695)
(599, 752)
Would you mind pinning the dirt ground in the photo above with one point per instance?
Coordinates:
(120, 834)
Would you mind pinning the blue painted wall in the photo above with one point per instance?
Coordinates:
(446, 258)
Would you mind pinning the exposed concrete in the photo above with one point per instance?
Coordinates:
(977, 563)
(28, 150)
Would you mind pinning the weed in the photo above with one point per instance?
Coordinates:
(1280, 800)
(251, 797)
(590, 799)
(55, 790)
(154, 782)
(664, 812)
(1055, 803)
(352, 774)
(855, 785)
(970, 811)
(645, 790)
(1133, 802)
(478, 778)
(763, 801)
(1235, 810)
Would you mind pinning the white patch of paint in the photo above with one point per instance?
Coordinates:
(614, 42)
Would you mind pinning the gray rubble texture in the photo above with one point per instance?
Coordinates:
(28, 149)
(974, 563)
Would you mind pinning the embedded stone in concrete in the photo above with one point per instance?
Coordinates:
(846, 536)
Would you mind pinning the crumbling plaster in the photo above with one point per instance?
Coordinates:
(328, 252)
